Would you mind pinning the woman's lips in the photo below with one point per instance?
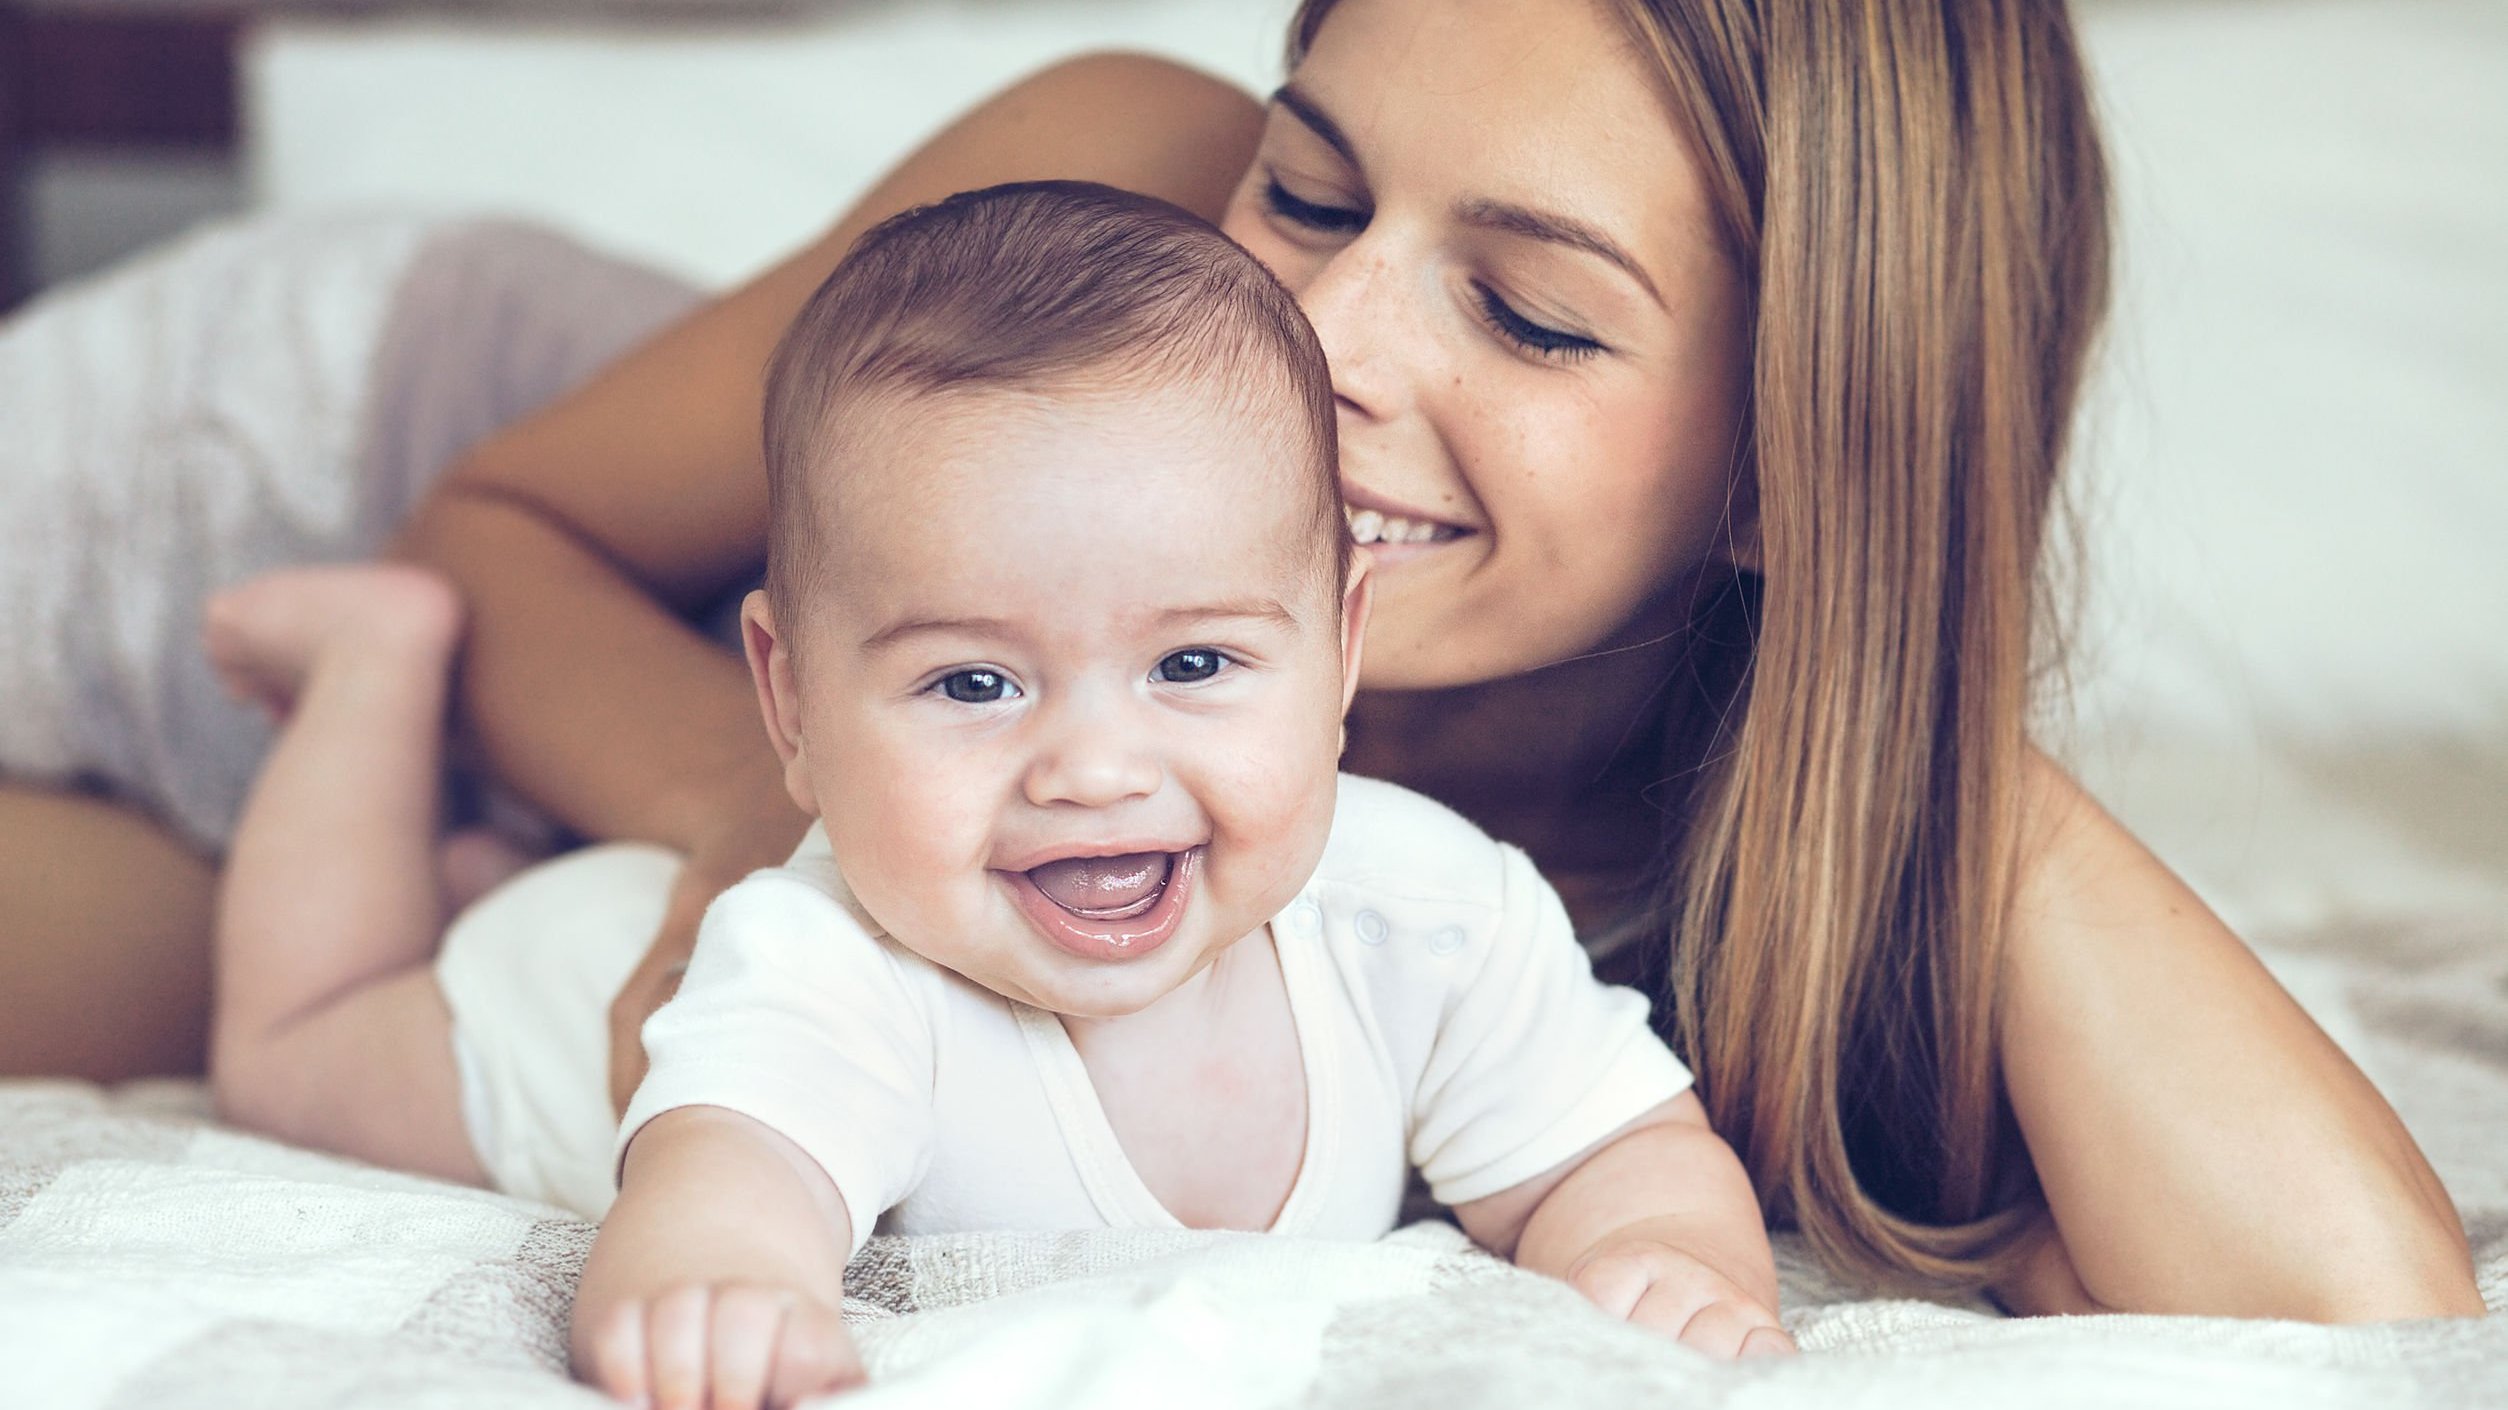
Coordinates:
(1149, 892)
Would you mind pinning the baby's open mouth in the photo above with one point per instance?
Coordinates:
(1110, 908)
(1105, 888)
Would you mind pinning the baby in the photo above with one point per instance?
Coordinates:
(1060, 623)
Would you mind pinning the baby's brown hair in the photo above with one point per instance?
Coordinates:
(1041, 286)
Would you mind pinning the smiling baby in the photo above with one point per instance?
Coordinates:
(1060, 622)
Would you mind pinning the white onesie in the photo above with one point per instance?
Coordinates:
(1445, 1014)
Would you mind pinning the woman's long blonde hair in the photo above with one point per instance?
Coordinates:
(1916, 197)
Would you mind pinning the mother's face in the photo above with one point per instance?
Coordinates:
(1536, 338)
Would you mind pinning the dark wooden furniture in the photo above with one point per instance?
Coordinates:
(117, 80)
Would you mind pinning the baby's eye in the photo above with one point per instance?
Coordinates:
(1194, 663)
(977, 685)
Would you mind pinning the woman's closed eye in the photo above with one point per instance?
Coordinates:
(977, 685)
(1314, 215)
(1538, 338)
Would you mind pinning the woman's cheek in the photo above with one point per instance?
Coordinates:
(1289, 263)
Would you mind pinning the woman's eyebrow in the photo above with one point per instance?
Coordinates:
(1557, 230)
(1317, 120)
(1487, 214)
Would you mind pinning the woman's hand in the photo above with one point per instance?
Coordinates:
(763, 840)
(730, 1346)
(655, 979)
(1646, 1279)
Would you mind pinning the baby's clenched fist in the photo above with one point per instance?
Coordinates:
(729, 1346)
(1650, 1283)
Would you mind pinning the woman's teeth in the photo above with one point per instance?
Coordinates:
(1368, 526)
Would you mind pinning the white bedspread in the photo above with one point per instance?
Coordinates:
(151, 1258)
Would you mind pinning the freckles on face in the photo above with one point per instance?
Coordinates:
(1539, 345)
(1066, 630)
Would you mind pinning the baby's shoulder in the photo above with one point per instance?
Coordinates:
(1406, 876)
(1386, 837)
(801, 915)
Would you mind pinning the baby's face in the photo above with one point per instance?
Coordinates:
(1068, 696)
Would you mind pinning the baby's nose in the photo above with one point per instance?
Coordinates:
(1092, 768)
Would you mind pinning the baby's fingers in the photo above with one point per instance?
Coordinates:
(618, 1364)
(677, 1336)
(815, 1356)
(1722, 1328)
(747, 1322)
(1771, 1340)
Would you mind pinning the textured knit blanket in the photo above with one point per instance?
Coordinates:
(149, 1257)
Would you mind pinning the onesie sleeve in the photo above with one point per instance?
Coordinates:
(1534, 1059)
(794, 1015)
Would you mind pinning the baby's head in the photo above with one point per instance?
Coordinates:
(1060, 618)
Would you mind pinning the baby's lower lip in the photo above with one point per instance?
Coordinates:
(1108, 938)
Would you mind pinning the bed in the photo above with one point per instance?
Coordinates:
(2290, 674)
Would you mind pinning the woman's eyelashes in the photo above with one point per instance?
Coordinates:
(1313, 215)
(1511, 327)
(1524, 333)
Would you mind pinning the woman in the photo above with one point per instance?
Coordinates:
(1704, 369)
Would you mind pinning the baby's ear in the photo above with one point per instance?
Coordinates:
(779, 699)
(1358, 594)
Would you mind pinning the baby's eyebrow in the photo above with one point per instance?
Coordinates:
(896, 632)
(1255, 609)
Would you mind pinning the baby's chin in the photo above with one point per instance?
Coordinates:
(1102, 994)
(1071, 988)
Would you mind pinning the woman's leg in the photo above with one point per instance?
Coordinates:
(329, 1028)
(104, 940)
(272, 392)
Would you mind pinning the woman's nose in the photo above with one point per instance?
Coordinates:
(1354, 302)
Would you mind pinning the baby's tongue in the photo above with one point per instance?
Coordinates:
(1102, 885)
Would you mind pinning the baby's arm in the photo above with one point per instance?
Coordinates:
(1655, 1223)
(718, 1278)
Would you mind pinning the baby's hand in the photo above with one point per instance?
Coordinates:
(1651, 1283)
(730, 1346)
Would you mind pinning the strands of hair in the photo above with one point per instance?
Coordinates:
(1916, 200)
(1049, 287)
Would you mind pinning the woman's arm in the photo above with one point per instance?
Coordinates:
(2204, 1148)
(577, 533)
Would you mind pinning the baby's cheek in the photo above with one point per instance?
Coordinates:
(910, 832)
(1278, 813)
